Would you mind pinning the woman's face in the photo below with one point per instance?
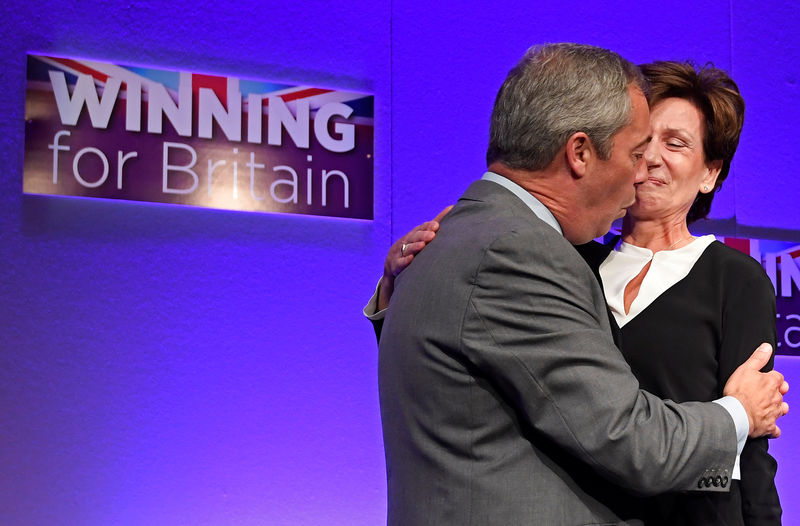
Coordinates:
(676, 164)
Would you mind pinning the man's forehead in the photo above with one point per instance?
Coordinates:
(637, 133)
(640, 117)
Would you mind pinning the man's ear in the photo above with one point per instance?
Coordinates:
(580, 152)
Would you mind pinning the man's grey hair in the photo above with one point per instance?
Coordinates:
(557, 90)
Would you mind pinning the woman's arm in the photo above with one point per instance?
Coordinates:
(400, 256)
(402, 253)
(748, 320)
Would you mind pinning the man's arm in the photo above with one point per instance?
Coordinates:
(536, 326)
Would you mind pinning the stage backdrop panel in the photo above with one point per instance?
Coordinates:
(765, 47)
(173, 365)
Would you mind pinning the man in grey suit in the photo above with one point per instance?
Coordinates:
(503, 398)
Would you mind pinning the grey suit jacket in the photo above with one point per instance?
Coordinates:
(503, 398)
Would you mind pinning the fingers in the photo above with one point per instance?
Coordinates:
(442, 214)
(778, 382)
(426, 233)
(429, 227)
(774, 431)
(408, 246)
(402, 253)
(396, 262)
(408, 250)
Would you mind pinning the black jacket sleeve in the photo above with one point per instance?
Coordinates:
(748, 321)
(378, 326)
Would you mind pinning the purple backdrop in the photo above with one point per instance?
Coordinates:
(169, 365)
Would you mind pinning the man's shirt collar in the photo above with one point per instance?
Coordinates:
(536, 206)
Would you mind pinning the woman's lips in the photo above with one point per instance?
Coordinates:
(650, 181)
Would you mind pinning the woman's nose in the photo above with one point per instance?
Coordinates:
(652, 157)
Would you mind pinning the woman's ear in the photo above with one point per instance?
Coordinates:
(710, 178)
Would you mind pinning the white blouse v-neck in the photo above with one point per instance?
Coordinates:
(627, 261)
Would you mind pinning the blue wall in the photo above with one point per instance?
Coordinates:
(162, 365)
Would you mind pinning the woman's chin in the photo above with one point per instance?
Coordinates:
(636, 211)
(645, 203)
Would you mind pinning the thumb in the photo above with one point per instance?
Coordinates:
(760, 357)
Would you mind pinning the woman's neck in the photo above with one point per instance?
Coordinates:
(656, 235)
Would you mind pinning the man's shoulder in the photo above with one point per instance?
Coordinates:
(496, 210)
(498, 226)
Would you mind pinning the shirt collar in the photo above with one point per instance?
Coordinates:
(536, 206)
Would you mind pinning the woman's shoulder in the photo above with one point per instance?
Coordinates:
(731, 262)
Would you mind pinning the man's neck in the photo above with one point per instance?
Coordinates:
(547, 186)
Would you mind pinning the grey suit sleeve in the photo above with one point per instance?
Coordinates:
(536, 326)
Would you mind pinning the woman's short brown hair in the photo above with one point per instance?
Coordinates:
(717, 96)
